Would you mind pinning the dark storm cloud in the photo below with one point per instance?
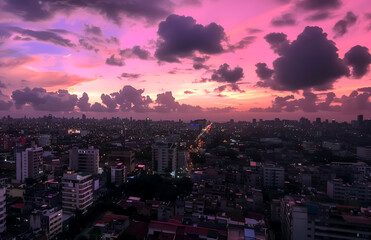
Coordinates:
(278, 42)
(115, 61)
(359, 59)
(180, 37)
(311, 61)
(243, 43)
(135, 52)
(166, 103)
(44, 36)
(286, 19)
(131, 99)
(318, 4)
(91, 29)
(41, 100)
(114, 10)
(227, 75)
(341, 27)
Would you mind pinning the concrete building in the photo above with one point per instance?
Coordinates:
(29, 163)
(47, 220)
(84, 160)
(307, 220)
(357, 192)
(273, 176)
(364, 153)
(118, 175)
(77, 191)
(2, 208)
(164, 156)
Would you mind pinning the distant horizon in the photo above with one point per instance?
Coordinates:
(224, 119)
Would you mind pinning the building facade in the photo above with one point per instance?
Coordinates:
(84, 160)
(273, 176)
(29, 164)
(77, 191)
(48, 220)
(164, 156)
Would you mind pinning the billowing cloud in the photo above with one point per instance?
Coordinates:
(356, 101)
(180, 37)
(286, 19)
(359, 59)
(109, 102)
(227, 75)
(188, 92)
(166, 103)
(263, 71)
(278, 42)
(35, 10)
(131, 99)
(41, 100)
(341, 27)
(311, 61)
(83, 103)
(224, 74)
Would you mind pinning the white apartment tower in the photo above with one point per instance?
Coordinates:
(29, 164)
(84, 160)
(164, 156)
(77, 191)
(2, 208)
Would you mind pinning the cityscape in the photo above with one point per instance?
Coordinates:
(185, 120)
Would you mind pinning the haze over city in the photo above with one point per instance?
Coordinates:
(186, 59)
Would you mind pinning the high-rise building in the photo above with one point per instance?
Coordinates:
(47, 220)
(358, 191)
(29, 164)
(164, 156)
(84, 160)
(77, 191)
(2, 208)
(273, 176)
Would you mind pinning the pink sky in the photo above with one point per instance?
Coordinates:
(36, 53)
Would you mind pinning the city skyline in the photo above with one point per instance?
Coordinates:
(186, 59)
